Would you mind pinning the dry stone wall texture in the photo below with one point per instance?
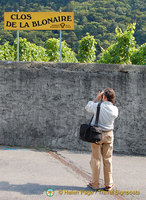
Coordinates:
(42, 104)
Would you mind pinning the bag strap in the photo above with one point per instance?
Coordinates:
(97, 115)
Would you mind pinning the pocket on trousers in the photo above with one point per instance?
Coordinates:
(109, 138)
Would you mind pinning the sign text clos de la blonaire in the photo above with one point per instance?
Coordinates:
(39, 21)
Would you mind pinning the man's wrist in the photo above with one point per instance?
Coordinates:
(95, 100)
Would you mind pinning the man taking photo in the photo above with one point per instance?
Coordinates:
(104, 148)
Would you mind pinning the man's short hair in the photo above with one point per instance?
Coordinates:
(110, 94)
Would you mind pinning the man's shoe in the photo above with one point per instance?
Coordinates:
(109, 188)
(93, 187)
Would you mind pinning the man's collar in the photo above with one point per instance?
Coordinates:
(107, 102)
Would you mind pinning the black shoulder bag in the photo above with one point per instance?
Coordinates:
(92, 134)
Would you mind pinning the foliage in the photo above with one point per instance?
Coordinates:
(99, 18)
(29, 51)
(53, 50)
(139, 55)
(7, 52)
(121, 51)
(52, 46)
(86, 52)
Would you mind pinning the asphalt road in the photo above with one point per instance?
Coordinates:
(27, 174)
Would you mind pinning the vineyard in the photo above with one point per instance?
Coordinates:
(100, 29)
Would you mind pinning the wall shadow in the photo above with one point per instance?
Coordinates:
(37, 189)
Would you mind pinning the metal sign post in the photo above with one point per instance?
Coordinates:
(17, 43)
(60, 48)
(60, 45)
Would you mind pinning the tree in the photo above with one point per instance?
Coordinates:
(7, 52)
(139, 55)
(108, 14)
(29, 51)
(86, 52)
(53, 51)
(121, 51)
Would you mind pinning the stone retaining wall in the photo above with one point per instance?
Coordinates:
(42, 104)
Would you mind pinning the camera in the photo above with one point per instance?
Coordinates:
(102, 94)
(101, 90)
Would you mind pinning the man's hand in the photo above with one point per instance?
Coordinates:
(99, 96)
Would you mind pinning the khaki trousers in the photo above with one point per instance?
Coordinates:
(103, 148)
